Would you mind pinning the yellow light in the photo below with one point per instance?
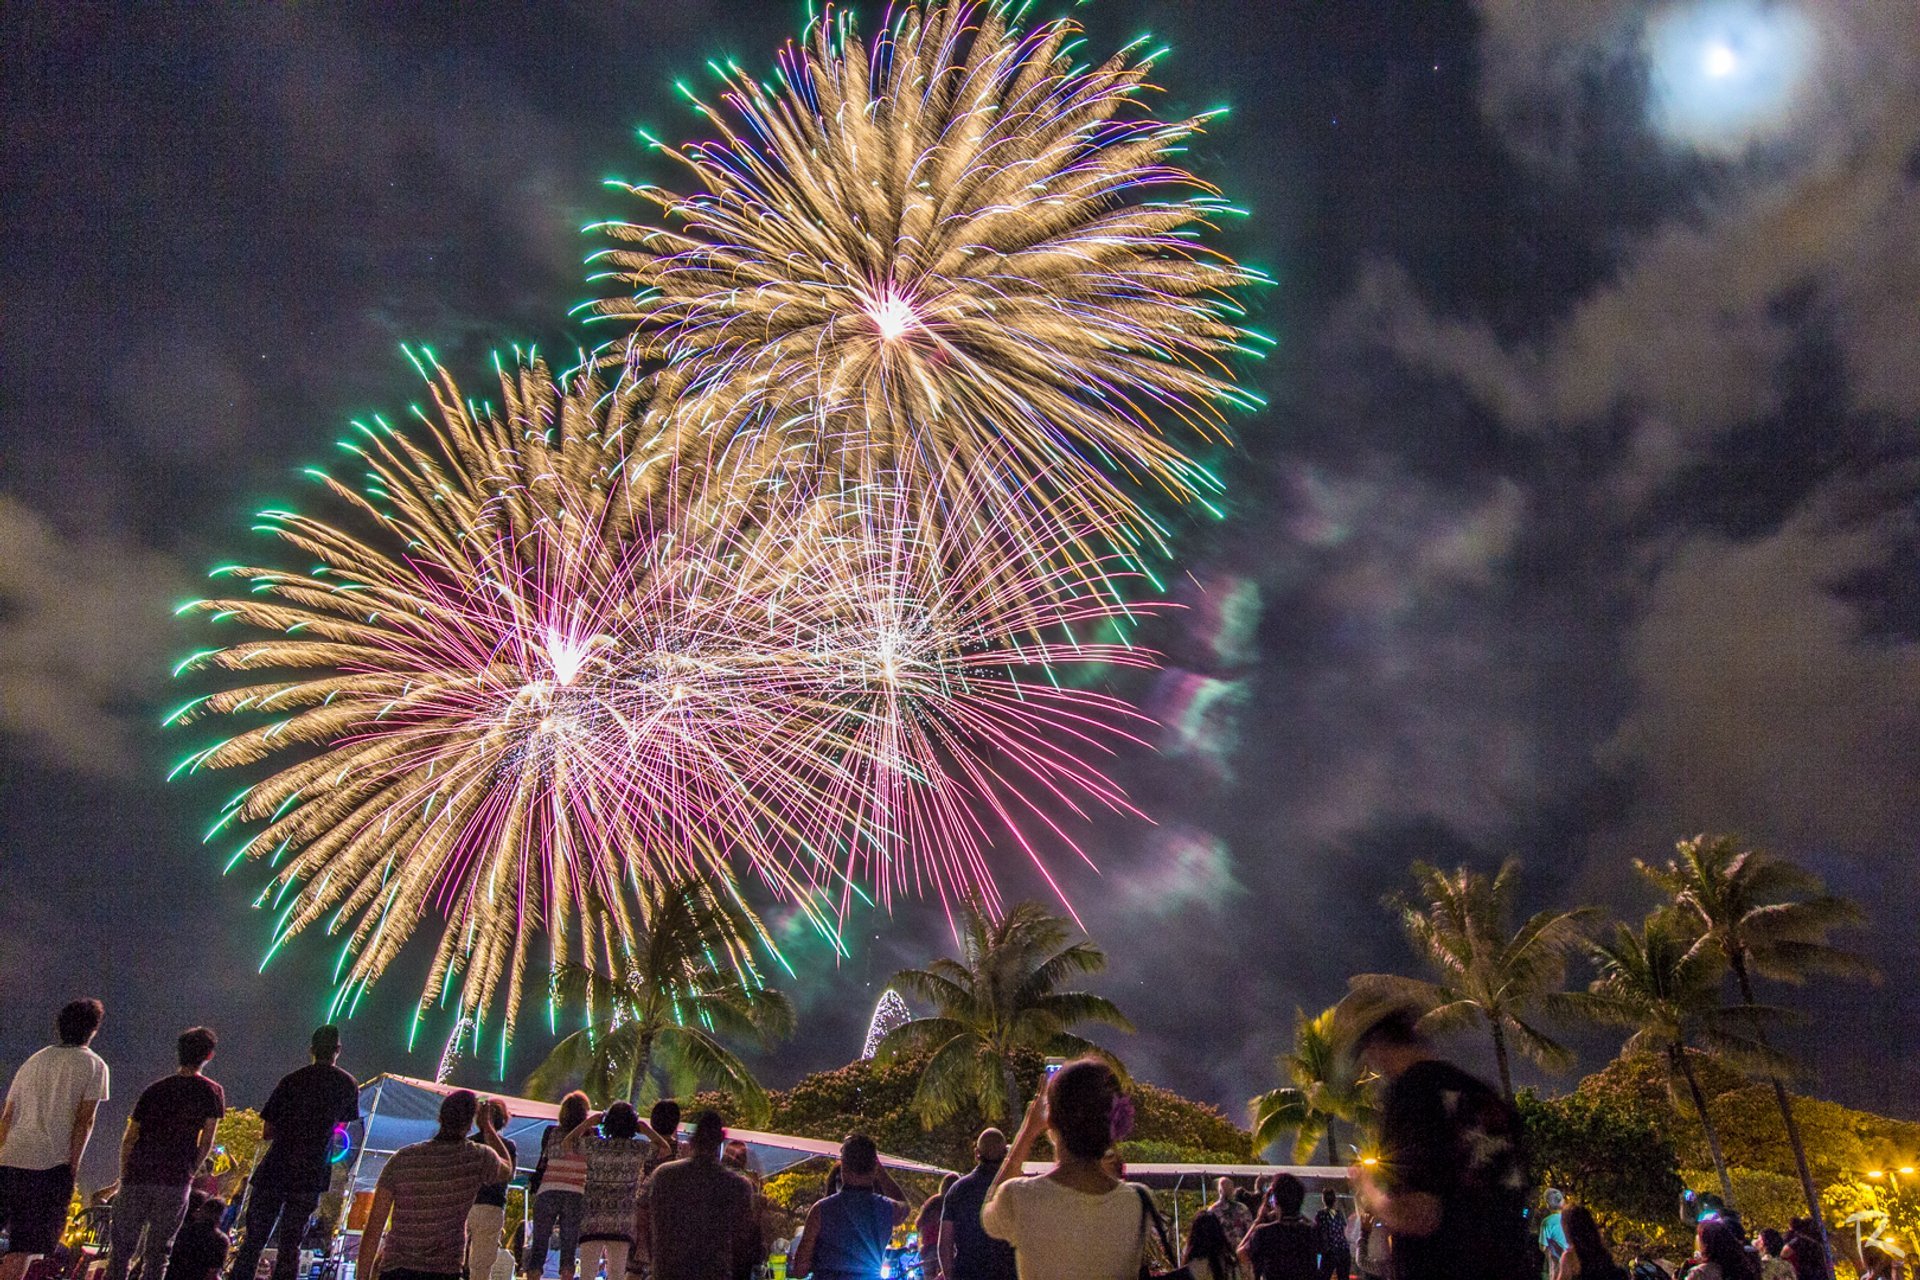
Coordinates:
(1876, 1173)
(1906, 1168)
(1369, 1161)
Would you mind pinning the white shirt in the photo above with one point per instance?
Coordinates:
(44, 1094)
(1061, 1234)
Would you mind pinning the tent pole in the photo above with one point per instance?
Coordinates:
(366, 1127)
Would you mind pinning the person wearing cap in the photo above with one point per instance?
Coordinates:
(298, 1124)
(1450, 1181)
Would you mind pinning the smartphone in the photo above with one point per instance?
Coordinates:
(1053, 1065)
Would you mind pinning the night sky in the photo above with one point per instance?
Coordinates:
(1582, 516)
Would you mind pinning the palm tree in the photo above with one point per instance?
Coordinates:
(1000, 1000)
(1766, 917)
(679, 986)
(1657, 982)
(1490, 974)
(1326, 1092)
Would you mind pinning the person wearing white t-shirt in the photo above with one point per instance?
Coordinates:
(44, 1126)
(1077, 1222)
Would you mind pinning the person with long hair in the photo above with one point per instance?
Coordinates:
(926, 1225)
(1586, 1254)
(1076, 1222)
(1210, 1254)
(1722, 1252)
(559, 1191)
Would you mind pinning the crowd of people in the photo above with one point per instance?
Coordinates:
(622, 1198)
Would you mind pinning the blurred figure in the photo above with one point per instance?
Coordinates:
(966, 1251)
(1209, 1255)
(559, 1191)
(44, 1127)
(298, 1125)
(926, 1225)
(1234, 1217)
(1586, 1253)
(427, 1189)
(705, 1224)
(1553, 1233)
(1771, 1245)
(200, 1250)
(847, 1232)
(1451, 1177)
(1282, 1244)
(1722, 1252)
(487, 1219)
(1373, 1247)
(168, 1136)
(1330, 1238)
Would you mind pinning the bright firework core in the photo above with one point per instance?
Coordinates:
(891, 312)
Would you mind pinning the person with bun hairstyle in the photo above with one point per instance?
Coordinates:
(1076, 1222)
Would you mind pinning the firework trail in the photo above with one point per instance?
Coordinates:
(951, 255)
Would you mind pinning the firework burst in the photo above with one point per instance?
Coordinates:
(950, 256)
(513, 701)
(521, 692)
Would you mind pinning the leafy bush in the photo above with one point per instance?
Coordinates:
(1603, 1151)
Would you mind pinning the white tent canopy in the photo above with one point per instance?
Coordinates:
(399, 1110)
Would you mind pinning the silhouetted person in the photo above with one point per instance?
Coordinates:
(298, 1124)
(200, 1249)
(168, 1136)
(1282, 1244)
(44, 1126)
(704, 1225)
(1451, 1179)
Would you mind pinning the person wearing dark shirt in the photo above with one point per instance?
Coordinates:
(846, 1234)
(966, 1251)
(168, 1135)
(200, 1250)
(1450, 1181)
(487, 1220)
(298, 1123)
(1281, 1245)
(1330, 1237)
(703, 1220)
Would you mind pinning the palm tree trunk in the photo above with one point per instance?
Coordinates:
(1678, 1056)
(1333, 1144)
(1792, 1126)
(642, 1069)
(1006, 1085)
(1500, 1057)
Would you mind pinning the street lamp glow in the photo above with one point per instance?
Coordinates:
(1721, 61)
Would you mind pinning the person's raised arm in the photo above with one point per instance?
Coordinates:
(573, 1139)
(1032, 1125)
(883, 1183)
(369, 1264)
(802, 1264)
(83, 1114)
(494, 1142)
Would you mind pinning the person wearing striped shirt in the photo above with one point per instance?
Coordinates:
(427, 1189)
